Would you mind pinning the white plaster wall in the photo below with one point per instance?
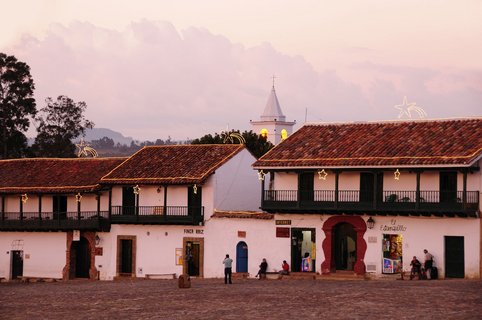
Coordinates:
(407, 182)
(155, 246)
(177, 195)
(148, 195)
(236, 184)
(285, 181)
(349, 180)
(421, 233)
(117, 195)
(328, 184)
(44, 253)
(221, 238)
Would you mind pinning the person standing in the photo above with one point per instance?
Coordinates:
(428, 263)
(228, 263)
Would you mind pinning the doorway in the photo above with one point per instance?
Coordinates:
(193, 256)
(59, 207)
(17, 264)
(448, 187)
(344, 247)
(126, 256)
(303, 249)
(80, 258)
(367, 186)
(128, 201)
(454, 257)
(306, 183)
(241, 257)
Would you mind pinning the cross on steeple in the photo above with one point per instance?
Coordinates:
(274, 77)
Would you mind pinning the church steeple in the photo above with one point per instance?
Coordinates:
(273, 122)
(272, 110)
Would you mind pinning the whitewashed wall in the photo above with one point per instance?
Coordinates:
(426, 233)
(236, 184)
(44, 253)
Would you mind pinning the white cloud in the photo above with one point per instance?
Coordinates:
(152, 81)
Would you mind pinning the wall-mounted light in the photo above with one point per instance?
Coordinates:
(194, 189)
(261, 175)
(158, 189)
(24, 198)
(322, 174)
(370, 223)
(78, 197)
(397, 174)
(97, 240)
(136, 189)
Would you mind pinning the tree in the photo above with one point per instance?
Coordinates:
(60, 122)
(255, 143)
(17, 104)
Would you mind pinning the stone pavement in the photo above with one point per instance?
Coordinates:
(244, 299)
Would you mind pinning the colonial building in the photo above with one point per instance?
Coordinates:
(367, 197)
(107, 218)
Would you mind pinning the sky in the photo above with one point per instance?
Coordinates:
(182, 69)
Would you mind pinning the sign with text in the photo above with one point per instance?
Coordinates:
(76, 235)
(282, 232)
(241, 234)
(283, 222)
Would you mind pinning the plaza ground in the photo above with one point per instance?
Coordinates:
(244, 299)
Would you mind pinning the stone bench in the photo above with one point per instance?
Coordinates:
(158, 276)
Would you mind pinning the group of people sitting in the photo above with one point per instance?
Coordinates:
(263, 267)
(422, 272)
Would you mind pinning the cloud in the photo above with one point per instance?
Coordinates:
(152, 81)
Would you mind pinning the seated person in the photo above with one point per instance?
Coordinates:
(262, 269)
(416, 268)
(285, 268)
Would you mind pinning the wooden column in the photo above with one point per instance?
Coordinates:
(337, 179)
(21, 208)
(98, 204)
(165, 203)
(110, 203)
(375, 189)
(3, 207)
(464, 190)
(78, 208)
(40, 206)
(417, 191)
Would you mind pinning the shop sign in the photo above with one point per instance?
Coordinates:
(192, 231)
(282, 232)
(76, 235)
(393, 227)
(283, 222)
(241, 234)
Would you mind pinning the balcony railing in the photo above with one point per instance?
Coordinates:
(85, 220)
(158, 215)
(408, 202)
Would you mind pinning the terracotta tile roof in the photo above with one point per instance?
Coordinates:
(243, 215)
(51, 175)
(456, 142)
(173, 164)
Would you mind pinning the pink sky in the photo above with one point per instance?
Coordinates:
(155, 69)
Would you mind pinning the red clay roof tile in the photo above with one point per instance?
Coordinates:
(173, 164)
(403, 143)
(49, 175)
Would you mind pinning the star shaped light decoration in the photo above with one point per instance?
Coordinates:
(322, 174)
(136, 189)
(85, 150)
(397, 174)
(261, 175)
(78, 197)
(407, 108)
(24, 198)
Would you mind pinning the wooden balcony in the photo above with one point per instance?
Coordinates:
(54, 221)
(464, 204)
(180, 215)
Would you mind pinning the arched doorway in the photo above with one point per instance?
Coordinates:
(241, 257)
(344, 246)
(80, 259)
(338, 228)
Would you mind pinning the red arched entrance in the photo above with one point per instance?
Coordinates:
(360, 228)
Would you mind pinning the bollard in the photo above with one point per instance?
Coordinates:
(184, 281)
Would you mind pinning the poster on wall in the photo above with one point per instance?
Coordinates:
(179, 255)
(392, 253)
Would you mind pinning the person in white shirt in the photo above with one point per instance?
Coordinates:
(228, 262)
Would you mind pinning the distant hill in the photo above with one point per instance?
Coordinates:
(99, 133)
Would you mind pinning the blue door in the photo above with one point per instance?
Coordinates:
(242, 257)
